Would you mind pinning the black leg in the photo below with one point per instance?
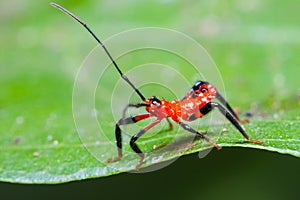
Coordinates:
(138, 105)
(190, 129)
(211, 105)
(125, 121)
(226, 104)
(135, 147)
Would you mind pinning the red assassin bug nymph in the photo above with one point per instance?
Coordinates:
(195, 104)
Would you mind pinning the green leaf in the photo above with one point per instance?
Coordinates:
(43, 50)
(43, 146)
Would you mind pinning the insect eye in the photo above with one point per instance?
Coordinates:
(203, 90)
(155, 100)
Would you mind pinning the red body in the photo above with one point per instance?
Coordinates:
(184, 109)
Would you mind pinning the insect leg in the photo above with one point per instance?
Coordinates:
(226, 104)
(209, 106)
(138, 105)
(135, 147)
(125, 121)
(198, 134)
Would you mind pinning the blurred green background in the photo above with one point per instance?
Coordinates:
(255, 45)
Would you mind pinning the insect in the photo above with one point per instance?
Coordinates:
(194, 105)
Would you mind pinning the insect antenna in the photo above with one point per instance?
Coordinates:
(102, 45)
